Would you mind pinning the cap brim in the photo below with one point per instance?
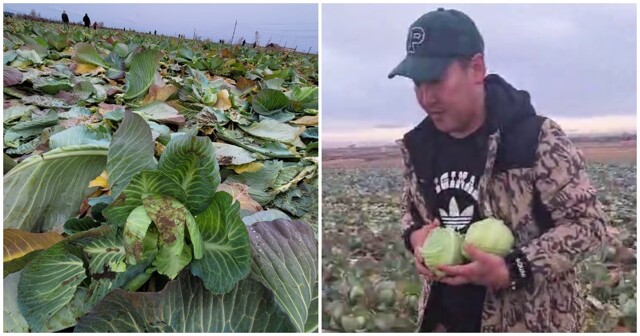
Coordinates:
(421, 69)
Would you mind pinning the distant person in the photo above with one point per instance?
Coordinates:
(244, 42)
(86, 20)
(95, 26)
(154, 32)
(65, 18)
(482, 152)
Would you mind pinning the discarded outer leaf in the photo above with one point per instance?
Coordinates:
(306, 121)
(86, 53)
(18, 243)
(309, 170)
(83, 121)
(159, 91)
(104, 108)
(274, 130)
(240, 194)
(81, 135)
(244, 84)
(134, 232)
(52, 86)
(261, 182)
(101, 181)
(162, 112)
(251, 167)
(15, 113)
(223, 101)
(232, 155)
(11, 76)
(226, 53)
(86, 69)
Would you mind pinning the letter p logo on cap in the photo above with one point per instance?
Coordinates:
(416, 37)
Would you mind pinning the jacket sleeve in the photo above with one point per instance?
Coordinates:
(565, 189)
(411, 220)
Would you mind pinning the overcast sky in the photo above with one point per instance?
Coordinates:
(293, 24)
(578, 62)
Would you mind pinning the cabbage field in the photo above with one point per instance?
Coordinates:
(369, 279)
(156, 184)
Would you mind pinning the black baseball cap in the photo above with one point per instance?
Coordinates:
(434, 41)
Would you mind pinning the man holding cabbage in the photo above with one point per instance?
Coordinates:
(498, 207)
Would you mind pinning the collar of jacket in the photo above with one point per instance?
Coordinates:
(505, 106)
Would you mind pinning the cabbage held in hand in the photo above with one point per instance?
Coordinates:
(442, 247)
(490, 235)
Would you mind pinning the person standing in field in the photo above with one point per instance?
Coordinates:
(65, 18)
(482, 151)
(86, 20)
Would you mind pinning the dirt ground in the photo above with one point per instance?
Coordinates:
(612, 152)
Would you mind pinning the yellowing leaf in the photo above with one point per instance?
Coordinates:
(83, 69)
(18, 243)
(223, 100)
(104, 108)
(240, 193)
(159, 148)
(159, 91)
(306, 121)
(101, 181)
(244, 84)
(250, 167)
(225, 53)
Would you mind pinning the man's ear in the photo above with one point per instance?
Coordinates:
(478, 68)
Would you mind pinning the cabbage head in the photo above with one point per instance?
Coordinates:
(442, 247)
(490, 235)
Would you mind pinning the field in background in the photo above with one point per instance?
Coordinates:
(607, 151)
(369, 281)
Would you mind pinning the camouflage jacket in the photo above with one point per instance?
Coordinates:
(535, 180)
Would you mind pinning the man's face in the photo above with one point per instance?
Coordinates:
(451, 101)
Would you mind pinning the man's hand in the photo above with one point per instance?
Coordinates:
(485, 269)
(417, 239)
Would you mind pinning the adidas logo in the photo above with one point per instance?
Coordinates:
(454, 218)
